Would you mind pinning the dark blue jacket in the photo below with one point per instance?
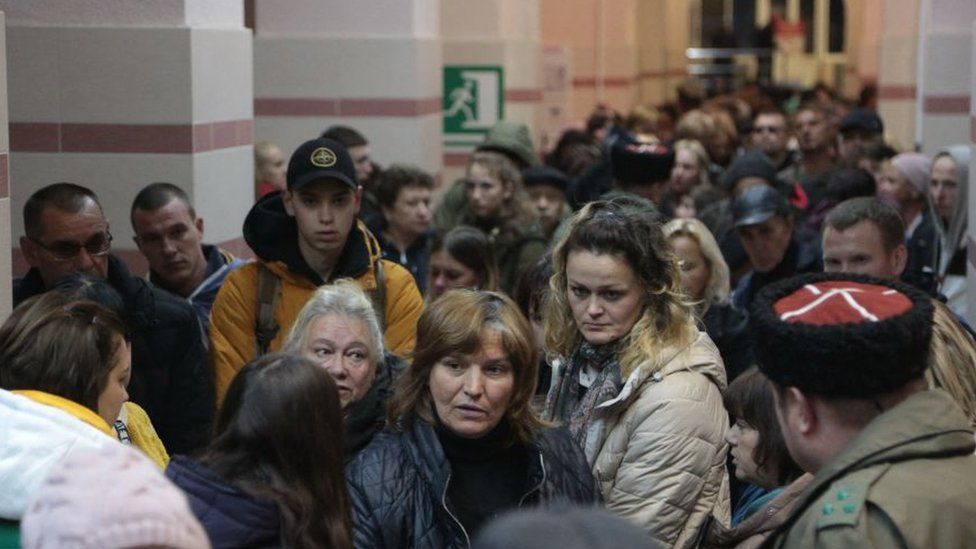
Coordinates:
(398, 487)
(231, 517)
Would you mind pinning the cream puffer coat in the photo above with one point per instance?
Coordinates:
(658, 450)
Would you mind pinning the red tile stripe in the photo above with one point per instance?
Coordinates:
(527, 95)
(896, 93)
(303, 106)
(608, 82)
(456, 160)
(662, 73)
(947, 104)
(130, 138)
(4, 176)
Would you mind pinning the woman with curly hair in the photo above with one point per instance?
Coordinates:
(640, 387)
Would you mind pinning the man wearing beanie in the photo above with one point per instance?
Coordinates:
(546, 187)
(893, 461)
(304, 237)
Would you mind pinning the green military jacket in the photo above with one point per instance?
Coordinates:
(907, 480)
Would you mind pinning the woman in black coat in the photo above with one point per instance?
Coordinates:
(272, 477)
(705, 279)
(463, 444)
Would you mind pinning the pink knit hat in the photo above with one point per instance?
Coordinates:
(108, 499)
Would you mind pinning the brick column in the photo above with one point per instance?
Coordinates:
(948, 74)
(971, 267)
(114, 96)
(662, 36)
(896, 75)
(6, 296)
(374, 65)
(602, 38)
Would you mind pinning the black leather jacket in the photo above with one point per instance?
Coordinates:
(398, 487)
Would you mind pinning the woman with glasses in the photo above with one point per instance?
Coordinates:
(638, 384)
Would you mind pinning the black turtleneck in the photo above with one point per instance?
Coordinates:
(487, 476)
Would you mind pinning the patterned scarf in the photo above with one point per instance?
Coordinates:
(567, 405)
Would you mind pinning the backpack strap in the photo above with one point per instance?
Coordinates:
(378, 296)
(266, 328)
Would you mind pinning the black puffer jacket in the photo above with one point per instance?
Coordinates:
(398, 487)
(170, 377)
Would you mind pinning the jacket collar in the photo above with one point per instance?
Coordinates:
(426, 451)
(927, 424)
(697, 356)
(69, 406)
(136, 292)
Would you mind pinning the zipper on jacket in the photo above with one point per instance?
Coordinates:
(458, 522)
(542, 463)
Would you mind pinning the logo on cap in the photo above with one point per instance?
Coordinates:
(323, 158)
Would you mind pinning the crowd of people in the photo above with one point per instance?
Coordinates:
(721, 322)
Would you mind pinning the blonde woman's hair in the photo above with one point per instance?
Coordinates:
(341, 298)
(636, 237)
(701, 158)
(952, 360)
(718, 287)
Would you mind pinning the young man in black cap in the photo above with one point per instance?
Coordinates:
(305, 237)
(893, 462)
(546, 187)
(860, 129)
(764, 222)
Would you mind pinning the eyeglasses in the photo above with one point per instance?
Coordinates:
(766, 129)
(97, 245)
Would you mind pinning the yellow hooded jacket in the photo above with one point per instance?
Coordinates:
(273, 237)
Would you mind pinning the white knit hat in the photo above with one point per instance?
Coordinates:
(111, 498)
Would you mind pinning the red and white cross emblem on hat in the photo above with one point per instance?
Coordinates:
(841, 302)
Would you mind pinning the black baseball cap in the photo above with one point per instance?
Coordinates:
(320, 159)
(863, 120)
(544, 175)
(757, 204)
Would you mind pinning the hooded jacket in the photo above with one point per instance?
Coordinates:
(398, 487)
(33, 437)
(232, 517)
(906, 480)
(170, 377)
(952, 235)
(273, 235)
(658, 449)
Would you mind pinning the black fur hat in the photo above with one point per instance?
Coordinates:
(842, 335)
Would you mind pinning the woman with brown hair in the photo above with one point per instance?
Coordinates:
(760, 459)
(463, 444)
(638, 384)
(70, 354)
(272, 476)
(461, 258)
(498, 205)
